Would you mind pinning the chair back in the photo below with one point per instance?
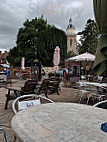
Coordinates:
(29, 86)
(44, 84)
(30, 100)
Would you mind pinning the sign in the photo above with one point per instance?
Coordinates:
(25, 104)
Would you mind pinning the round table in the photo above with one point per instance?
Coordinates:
(60, 122)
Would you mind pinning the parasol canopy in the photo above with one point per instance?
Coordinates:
(100, 11)
(23, 63)
(83, 57)
(56, 57)
(5, 65)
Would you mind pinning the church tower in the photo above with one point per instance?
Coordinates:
(71, 37)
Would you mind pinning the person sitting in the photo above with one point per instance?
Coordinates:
(7, 72)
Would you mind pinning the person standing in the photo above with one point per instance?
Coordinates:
(64, 75)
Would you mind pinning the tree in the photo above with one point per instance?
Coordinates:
(88, 38)
(48, 40)
(37, 39)
(12, 56)
(70, 54)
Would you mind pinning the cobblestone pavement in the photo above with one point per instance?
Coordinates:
(66, 95)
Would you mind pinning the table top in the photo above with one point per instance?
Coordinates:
(13, 89)
(60, 122)
(97, 84)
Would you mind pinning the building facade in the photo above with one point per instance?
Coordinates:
(71, 37)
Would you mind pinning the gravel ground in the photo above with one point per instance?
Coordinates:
(66, 95)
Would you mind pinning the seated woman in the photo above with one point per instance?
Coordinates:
(7, 72)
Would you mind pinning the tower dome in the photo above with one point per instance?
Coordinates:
(71, 37)
(70, 30)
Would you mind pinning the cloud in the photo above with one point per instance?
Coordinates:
(13, 14)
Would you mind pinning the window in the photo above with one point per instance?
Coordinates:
(70, 42)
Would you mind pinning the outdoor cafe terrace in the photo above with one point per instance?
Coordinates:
(73, 114)
(68, 95)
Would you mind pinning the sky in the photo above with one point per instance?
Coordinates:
(13, 13)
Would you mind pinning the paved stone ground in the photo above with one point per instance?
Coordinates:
(66, 95)
(6, 115)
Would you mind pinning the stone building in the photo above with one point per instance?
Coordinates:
(71, 37)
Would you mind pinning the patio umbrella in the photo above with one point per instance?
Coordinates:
(56, 57)
(83, 57)
(100, 11)
(5, 65)
(23, 63)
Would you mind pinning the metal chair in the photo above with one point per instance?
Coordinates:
(4, 134)
(102, 104)
(97, 94)
(97, 97)
(84, 90)
(29, 103)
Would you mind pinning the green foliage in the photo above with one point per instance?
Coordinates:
(37, 39)
(70, 54)
(12, 55)
(88, 38)
(48, 40)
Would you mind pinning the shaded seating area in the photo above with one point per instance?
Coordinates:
(13, 93)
